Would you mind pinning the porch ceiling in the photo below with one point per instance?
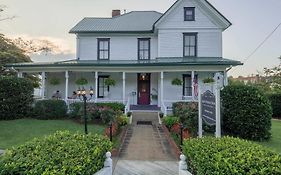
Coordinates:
(161, 61)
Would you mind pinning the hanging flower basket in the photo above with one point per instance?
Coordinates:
(81, 81)
(176, 82)
(109, 82)
(54, 81)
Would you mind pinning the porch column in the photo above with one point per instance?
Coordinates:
(96, 84)
(124, 87)
(225, 80)
(43, 76)
(20, 75)
(192, 82)
(161, 89)
(66, 84)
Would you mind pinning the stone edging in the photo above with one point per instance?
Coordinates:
(116, 152)
(171, 141)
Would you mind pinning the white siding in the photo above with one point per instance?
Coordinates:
(121, 47)
(209, 43)
(175, 18)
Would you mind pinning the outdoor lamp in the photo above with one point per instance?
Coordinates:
(82, 93)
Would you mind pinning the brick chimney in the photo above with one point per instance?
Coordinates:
(116, 13)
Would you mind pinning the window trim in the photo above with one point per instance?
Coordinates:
(183, 84)
(193, 13)
(196, 43)
(149, 49)
(98, 90)
(98, 45)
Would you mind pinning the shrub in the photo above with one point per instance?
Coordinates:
(275, 100)
(229, 155)
(188, 115)
(246, 112)
(50, 109)
(74, 109)
(107, 115)
(60, 153)
(122, 120)
(169, 121)
(115, 106)
(16, 98)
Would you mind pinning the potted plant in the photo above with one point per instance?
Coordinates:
(81, 81)
(208, 80)
(109, 82)
(54, 81)
(176, 82)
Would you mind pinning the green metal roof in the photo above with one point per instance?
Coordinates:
(163, 61)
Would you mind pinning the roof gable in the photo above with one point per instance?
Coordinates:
(209, 10)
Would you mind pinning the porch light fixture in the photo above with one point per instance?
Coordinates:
(82, 94)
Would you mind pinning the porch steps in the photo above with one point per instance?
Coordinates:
(145, 108)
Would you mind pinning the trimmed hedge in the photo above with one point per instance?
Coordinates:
(50, 109)
(230, 155)
(247, 112)
(275, 99)
(16, 96)
(60, 153)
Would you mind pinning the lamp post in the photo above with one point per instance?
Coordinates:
(82, 94)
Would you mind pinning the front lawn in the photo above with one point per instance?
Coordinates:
(275, 141)
(17, 132)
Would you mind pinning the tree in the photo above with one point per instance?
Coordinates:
(273, 77)
(10, 53)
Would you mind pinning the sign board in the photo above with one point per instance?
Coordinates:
(208, 109)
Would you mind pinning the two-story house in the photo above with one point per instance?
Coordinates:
(143, 51)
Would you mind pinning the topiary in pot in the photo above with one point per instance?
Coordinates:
(109, 82)
(54, 81)
(208, 80)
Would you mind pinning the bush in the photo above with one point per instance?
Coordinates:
(74, 109)
(169, 121)
(115, 106)
(122, 120)
(246, 112)
(16, 98)
(107, 115)
(230, 155)
(188, 115)
(60, 153)
(50, 109)
(275, 100)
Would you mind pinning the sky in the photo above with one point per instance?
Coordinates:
(252, 21)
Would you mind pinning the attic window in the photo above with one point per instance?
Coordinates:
(189, 13)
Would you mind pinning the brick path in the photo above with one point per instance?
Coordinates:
(146, 149)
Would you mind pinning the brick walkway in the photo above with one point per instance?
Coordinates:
(146, 149)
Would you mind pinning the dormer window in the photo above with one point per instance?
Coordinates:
(189, 13)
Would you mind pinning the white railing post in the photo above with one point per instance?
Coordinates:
(192, 82)
(162, 90)
(66, 85)
(108, 162)
(182, 163)
(96, 88)
(43, 84)
(124, 87)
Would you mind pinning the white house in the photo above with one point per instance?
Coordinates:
(143, 51)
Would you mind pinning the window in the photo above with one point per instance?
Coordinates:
(144, 48)
(103, 48)
(189, 44)
(187, 85)
(102, 88)
(189, 13)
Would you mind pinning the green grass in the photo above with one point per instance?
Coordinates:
(275, 142)
(17, 132)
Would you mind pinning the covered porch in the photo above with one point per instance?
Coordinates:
(137, 83)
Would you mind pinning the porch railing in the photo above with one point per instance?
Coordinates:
(127, 107)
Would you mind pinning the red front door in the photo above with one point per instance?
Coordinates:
(143, 89)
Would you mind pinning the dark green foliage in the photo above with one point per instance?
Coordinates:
(169, 121)
(61, 153)
(109, 82)
(176, 82)
(188, 115)
(16, 96)
(74, 109)
(122, 120)
(208, 80)
(229, 155)
(107, 115)
(50, 109)
(246, 112)
(81, 81)
(114, 106)
(275, 100)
